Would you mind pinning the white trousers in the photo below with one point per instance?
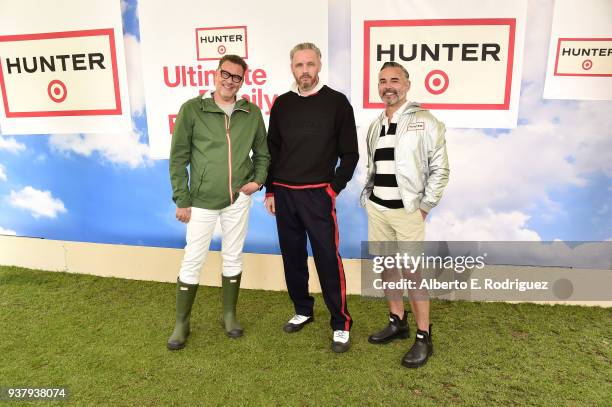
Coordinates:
(200, 229)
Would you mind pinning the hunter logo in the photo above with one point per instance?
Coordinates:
(584, 57)
(453, 64)
(416, 126)
(59, 74)
(214, 42)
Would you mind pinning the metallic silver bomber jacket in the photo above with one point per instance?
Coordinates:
(421, 163)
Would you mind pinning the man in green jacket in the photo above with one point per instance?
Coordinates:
(214, 136)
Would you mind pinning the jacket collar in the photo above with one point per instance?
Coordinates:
(208, 105)
(410, 107)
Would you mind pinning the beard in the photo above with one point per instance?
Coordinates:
(306, 82)
(390, 96)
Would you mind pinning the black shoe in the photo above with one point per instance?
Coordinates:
(420, 351)
(341, 342)
(397, 329)
(297, 322)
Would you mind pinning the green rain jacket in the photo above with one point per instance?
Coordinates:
(216, 148)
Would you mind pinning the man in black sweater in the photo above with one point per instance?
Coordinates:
(311, 127)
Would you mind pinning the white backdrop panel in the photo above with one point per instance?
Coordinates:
(62, 67)
(464, 58)
(182, 43)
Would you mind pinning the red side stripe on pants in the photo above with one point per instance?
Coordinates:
(347, 323)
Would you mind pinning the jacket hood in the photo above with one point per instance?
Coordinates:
(412, 107)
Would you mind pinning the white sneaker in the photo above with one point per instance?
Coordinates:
(341, 336)
(298, 319)
(296, 323)
(341, 342)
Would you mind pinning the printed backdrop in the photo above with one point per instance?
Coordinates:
(548, 178)
(181, 51)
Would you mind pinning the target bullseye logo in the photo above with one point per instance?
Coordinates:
(587, 64)
(57, 91)
(221, 50)
(436, 82)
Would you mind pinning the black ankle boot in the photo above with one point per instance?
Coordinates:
(397, 329)
(420, 351)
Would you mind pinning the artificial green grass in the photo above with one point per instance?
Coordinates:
(105, 339)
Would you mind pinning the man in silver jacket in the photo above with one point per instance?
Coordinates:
(407, 172)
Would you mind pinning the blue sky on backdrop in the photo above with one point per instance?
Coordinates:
(550, 178)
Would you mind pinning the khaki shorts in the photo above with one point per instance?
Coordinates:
(393, 230)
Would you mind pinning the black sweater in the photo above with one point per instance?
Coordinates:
(306, 137)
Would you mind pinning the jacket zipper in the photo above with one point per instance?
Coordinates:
(229, 156)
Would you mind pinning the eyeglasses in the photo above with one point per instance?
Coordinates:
(227, 75)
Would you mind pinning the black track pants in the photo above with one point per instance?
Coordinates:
(310, 211)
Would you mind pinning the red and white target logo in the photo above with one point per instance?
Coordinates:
(474, 72)
(214, 42)
(583, 57)
(57, 91)
(55, 74)
(436, 82)
(587, 64)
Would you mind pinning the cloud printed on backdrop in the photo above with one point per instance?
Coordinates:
(549, 178)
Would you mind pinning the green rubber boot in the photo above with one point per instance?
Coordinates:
(185, 294)
(231, 288)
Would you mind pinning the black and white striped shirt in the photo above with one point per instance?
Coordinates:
(386, 192)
